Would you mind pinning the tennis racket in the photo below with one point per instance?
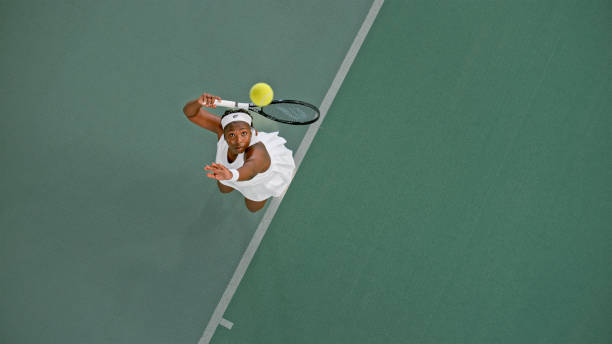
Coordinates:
(294, 112)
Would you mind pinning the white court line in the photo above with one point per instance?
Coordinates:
(226, 323)
(217, 317)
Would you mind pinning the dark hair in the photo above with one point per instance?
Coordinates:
(231, 111)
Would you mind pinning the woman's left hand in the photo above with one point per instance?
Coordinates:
(218, 172)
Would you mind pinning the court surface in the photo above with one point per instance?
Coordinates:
(458, 190)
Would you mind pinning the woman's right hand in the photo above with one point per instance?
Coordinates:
(208, 100)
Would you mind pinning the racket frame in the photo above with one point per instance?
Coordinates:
(261, 109)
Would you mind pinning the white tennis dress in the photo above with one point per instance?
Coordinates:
(274, 181)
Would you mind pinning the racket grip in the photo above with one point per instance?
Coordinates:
(231, 104)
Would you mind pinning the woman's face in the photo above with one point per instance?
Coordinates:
(238, 136)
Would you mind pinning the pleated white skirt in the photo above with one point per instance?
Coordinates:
(271, 183)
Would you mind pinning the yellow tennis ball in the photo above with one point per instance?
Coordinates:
(261, 94)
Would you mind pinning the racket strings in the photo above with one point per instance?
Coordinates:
(292, 112)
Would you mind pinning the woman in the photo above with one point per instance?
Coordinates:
(257, 164)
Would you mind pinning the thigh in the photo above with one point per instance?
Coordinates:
(254, 205)
(224, 188)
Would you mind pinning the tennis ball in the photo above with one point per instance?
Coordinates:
(261, 94)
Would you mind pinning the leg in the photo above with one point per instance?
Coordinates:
(224, 188)
(254, 206)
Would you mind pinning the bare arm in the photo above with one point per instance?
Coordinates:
(257, 160)
(194, 112)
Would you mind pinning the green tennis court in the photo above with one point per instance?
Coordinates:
(458, 189)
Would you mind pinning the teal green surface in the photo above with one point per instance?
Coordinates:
(109, 232)
(459, 191)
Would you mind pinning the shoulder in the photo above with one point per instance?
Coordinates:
(257, 154)
(257, 149)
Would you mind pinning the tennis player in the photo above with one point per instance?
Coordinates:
(257, 164)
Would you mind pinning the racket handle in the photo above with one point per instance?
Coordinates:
(231, 104)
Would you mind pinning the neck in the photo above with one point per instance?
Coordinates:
(231, 157)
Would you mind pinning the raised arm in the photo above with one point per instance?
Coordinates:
(194, 112)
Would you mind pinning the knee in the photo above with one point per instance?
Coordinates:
(253, 210)
(224, 188)
(254, 206)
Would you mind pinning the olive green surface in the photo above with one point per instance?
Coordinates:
(109, 232)
(459, 191)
